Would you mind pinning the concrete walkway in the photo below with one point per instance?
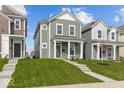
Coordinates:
(88, 71)
(6, 74)
(115, 84)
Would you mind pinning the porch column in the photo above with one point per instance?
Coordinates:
(114, 52)
(98, 51)
(68, 49)
(54, 48)
(81, 50)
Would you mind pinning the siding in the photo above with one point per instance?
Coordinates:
(121, 49)
(3, 28)
(87, 45)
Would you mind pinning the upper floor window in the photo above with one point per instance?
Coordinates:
(17, 24)
(113, 36)
(44, 45)
(99, 34)
(59, 29)
(71, 30)
(44, 27)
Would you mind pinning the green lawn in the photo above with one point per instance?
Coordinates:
(47, 72)
(2, 63)
(112, 69)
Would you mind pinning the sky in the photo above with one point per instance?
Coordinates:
(112, 15)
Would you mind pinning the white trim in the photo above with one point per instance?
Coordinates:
(68, 49)
(114, 52)
(16, 35)
(19, 24)
(63, 13)
(43, 46)
(98, 51)
(67, 40)
(56, 28)
(54, 48)
(40, 40)
(74, 29)
(81, 50)
(100, 20)
(74, 48)
(49, 39)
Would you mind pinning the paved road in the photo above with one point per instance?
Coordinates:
(115, 84)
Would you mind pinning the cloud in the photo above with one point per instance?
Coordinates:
(64, 8)
(116, 19)
(119, 15)
(51, 15)
(21, 9)
(82, 15)
(30, 33)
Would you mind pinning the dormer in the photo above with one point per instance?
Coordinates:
(113, 33)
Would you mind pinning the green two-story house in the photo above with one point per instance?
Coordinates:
(59, 37)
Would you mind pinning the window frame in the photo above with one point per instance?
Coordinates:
(70, 30)
(18, 24)
(43, 45)
(98, 34)
(46, 27)
(57, 29)
(112, 35)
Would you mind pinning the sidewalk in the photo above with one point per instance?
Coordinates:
(88, 71)
(6, 74)
(115, 84)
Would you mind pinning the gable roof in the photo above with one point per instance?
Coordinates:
(2, 14)
(8, 10)
(92, 24)
(66, 11)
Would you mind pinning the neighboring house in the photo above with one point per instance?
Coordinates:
(13, 32)
(59, 37)
(121, 49)
(102, 41)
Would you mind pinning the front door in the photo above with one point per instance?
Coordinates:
(17, 50)
(58, 50)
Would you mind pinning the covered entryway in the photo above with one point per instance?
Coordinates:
(17, 50)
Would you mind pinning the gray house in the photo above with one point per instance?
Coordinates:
(102, 41)
(13, 32)
(59, 37)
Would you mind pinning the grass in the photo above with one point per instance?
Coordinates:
(47, 72)
(2, 63)
(110, 69)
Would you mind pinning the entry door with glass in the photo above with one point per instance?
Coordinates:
(58, 50)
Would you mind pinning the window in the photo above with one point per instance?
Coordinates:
(44, 45)
(109, 52)
(71, 30)
(17, 24)
(113, 35)
(59, 29)
(99, 34)
(72, 49)
(44, 27)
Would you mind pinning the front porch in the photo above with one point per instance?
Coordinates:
(102, 51)
(68, 49)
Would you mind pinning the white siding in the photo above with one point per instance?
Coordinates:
(66, 16)
(5, 45)
(103, 28)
